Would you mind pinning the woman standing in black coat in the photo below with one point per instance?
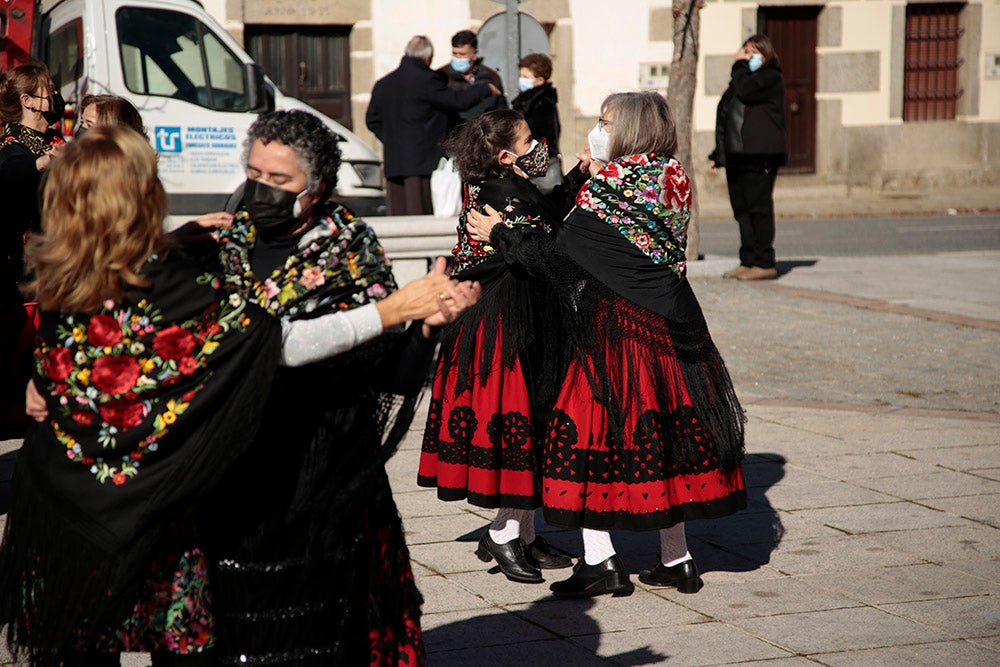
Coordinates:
(750, 144)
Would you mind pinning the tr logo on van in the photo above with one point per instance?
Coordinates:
(168, 139)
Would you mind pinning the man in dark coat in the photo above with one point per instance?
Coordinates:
(408, 113)
(466, 69)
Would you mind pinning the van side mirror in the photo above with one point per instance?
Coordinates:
(258, 100)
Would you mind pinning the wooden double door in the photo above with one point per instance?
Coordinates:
(311, 63)
(793, 33)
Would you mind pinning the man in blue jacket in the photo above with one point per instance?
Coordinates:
(408, 112)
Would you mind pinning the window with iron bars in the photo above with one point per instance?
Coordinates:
(930, 80)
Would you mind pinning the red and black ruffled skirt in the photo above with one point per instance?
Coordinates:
(646, 433)
(479, 443)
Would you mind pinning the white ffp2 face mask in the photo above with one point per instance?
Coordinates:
(600, 143)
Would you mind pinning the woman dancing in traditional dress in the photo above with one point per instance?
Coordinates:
(646, 432)
(499, 363)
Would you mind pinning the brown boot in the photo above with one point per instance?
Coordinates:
(737, 272)
(759, 273)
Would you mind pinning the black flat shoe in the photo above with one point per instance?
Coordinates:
(511, 559)
(587, 581)
(684, 576)
(544, 556)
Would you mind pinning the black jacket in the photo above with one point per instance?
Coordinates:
(538, 105)
(480, 74)
(750, 118)
(408, 113)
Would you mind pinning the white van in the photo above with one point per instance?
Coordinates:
(196, 89)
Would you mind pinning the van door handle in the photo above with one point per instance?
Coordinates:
(303, 72)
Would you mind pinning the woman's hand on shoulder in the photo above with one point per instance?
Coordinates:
(481, 225)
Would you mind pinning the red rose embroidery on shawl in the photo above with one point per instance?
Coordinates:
(58, 364)
(115, 375)
(104, 331)
(123, 414)
(83, 417)
(174, 343)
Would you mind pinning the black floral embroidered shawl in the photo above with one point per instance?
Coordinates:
(149, 399)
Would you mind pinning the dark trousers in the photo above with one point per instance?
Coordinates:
(751, 193)
(408, 195)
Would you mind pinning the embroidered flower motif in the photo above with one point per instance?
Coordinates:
(58, 363)
(174, 343)
(312, 277)
(104, 331)
(115, 375)
(124, 413)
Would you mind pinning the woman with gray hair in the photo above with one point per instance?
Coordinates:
(310, 564)
(646, 432)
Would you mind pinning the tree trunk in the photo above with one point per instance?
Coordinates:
(680, 97)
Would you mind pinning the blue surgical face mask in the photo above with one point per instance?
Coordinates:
(756, 60)
(525, 84)
(461, 65)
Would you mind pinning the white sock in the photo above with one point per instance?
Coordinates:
(673, 545)
(597, 546)
(509, 524)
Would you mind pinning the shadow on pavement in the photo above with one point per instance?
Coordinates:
(789, 265)
(744, 541)
(529, 636)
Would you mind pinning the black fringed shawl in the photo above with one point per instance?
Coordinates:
(310, 562)
(149, 400)
(620, 273)
(515, 300)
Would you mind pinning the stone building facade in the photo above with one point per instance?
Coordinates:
(887, 94)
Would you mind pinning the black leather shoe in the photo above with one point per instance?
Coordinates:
(683, 575)
(511, 559)
(544, 556)
(587, 581)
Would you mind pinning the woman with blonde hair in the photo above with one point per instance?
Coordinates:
(646, 432)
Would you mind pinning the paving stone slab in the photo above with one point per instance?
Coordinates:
(976, 542)
(429, 529)
(985, 507)
(455, 630)
(855, 467)
(910, 583)
(828, 493)
(425, 503)
(837, 554)
(838, 630)
(551, 652)
(976, 457)
(987, 569)
(962, 618)
(711, 643)
(938, 484)
(942, 654)
(885, 517)
(754, 598)
(989, 473)
(444, 594)
(641, 610)
(494, 587)
(402, 470)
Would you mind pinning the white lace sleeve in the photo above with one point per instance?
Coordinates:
(306, 341)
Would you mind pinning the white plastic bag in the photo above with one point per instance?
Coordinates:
(446, 189)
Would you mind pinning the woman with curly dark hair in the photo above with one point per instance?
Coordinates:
(495, 374)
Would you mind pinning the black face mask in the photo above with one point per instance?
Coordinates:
(273, 211)
(57, 105)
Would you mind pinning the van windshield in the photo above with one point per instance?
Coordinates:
(172, 54)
